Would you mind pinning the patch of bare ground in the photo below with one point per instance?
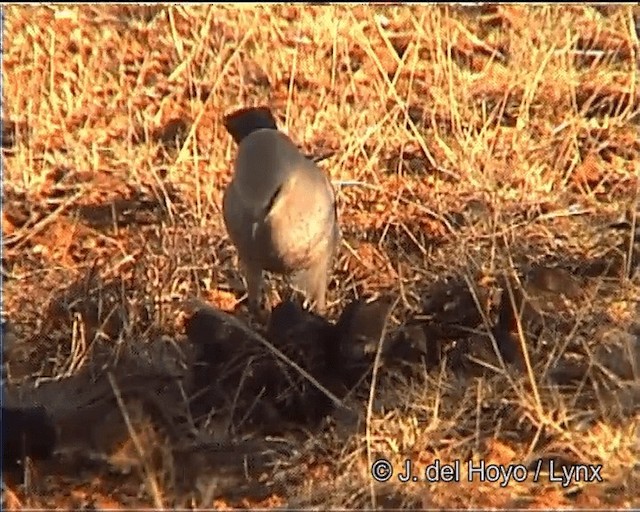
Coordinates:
(484, 305)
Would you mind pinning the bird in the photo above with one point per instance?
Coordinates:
(279, 209)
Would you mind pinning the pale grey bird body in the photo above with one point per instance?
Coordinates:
(279, 209)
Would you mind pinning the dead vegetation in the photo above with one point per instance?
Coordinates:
(486, 164)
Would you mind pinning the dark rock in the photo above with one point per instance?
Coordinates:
(26, 432)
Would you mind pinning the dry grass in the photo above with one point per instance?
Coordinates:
(468, 143)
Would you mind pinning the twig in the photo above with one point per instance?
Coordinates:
(153, 484)
(19, 239)
(372, 390)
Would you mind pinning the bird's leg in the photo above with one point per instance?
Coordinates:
(253, 276)
(313, 283)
